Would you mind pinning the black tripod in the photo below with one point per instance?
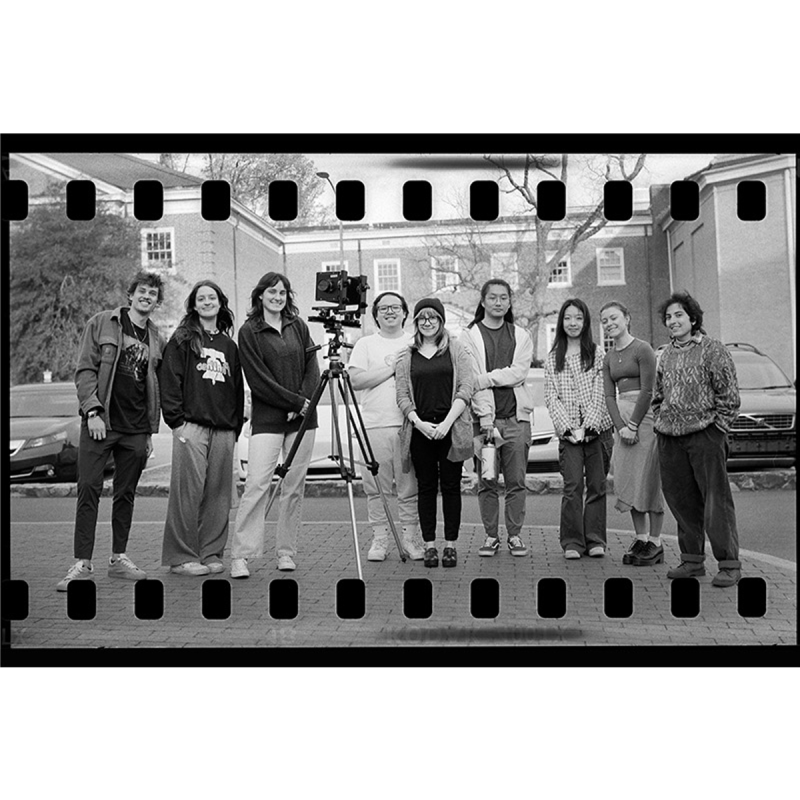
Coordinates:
(337, 375)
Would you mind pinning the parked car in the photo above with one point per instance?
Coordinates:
(765, 432)
(543, 452)
(45, 430)
(322, 466)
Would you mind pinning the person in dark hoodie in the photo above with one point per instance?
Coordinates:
(202, 400)
(274, 347)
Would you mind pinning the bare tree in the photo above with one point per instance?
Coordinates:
(578, 226)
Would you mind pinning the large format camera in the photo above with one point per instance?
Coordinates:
(349, 296)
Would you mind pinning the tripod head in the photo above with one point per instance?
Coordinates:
(350, 298)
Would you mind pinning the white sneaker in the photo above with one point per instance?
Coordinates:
(286, 563)
(77, 571)
(190, 568)
(124, 568)
(239, 568)
(598, 551)
(215, 567)
(571, 554)
(378, 550)
(412, 544)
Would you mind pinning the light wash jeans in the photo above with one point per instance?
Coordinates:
(386, 449)
(265, 451)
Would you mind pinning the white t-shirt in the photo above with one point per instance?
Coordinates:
(378, 404)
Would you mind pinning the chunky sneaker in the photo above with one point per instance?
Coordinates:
(123, 567)
(378, 550)
(726, 577)
(449, 557)
(286, 563)
(215, 567)
(598, 551)
(431, 557)
(650, 554)
(687, 569)
(413, 548)
(491, 546)
(571, 554)
(634, 550)
(516, 546)
(190, 568)
(77, 571)
(239, 568)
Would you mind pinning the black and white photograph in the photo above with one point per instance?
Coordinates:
(285, 403)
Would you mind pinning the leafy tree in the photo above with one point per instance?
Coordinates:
(249, 175)
(62, 272)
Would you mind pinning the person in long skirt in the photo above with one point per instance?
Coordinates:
(283, 373)
(629, 372)
(573, 394)
(202, 399)
(434, 384)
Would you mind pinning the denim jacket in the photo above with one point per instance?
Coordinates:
(100, 348)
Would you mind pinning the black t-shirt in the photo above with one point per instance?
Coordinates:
(432, 381)
(128, 404)
(500, 344)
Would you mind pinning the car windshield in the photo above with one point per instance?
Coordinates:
(37, 403)
(755, 371)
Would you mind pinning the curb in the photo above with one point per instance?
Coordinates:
(545, 484)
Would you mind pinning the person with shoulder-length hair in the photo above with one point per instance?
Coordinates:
(695, 402)
(629, 372)
(573, 393)
(501, 407)
(434, 381)
(274, 345)
(202, 400)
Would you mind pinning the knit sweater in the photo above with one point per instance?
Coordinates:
(696, 386)
(281, 373)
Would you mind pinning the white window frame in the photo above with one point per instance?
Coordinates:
(621, 252)
(550, 335)
(450, 278)
(557, 284)
(379, 262)
(606, 346)
(333, 266)
(505, 265)
(153, 265)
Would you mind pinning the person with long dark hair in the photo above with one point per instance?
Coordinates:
(434, 380)
(695, 402)
(202, 399)
(573, 393)
(629, 372)
(501, 407)
(274, 345)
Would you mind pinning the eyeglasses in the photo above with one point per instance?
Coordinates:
(427, 320)
(387, 309)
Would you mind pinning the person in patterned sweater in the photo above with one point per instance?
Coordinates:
(695, 401)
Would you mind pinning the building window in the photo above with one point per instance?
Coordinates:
(550, 336)
(610, 266)
(504, 265)
(444, 272)
(158, 248)
(333, 266)
(560, 272)
(387, 275)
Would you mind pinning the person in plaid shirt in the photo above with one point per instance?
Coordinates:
(695, 402)
(574, 396)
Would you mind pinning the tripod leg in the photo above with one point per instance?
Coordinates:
(355, 530)
(400, 549)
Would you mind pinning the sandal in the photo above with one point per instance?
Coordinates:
(431, 558)
(449, 557)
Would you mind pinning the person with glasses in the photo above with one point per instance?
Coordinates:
(372, 366)
(502, 355)
(434, 379)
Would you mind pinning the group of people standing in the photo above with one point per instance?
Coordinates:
(429, 402)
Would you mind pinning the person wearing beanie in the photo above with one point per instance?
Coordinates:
(434, 384)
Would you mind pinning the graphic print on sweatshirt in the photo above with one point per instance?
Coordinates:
(133, 358)
(215, 367)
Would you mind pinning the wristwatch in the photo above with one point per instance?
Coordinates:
(93, 413)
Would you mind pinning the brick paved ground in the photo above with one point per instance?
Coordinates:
(326, 556)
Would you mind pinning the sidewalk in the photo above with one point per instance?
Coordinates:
(326, 556)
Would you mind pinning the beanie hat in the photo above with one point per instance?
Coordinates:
(430, 302)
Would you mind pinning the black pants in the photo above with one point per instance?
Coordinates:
(130, 455)
(694, 479)
(434, 470)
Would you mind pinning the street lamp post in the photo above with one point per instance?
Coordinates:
(327, 177)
